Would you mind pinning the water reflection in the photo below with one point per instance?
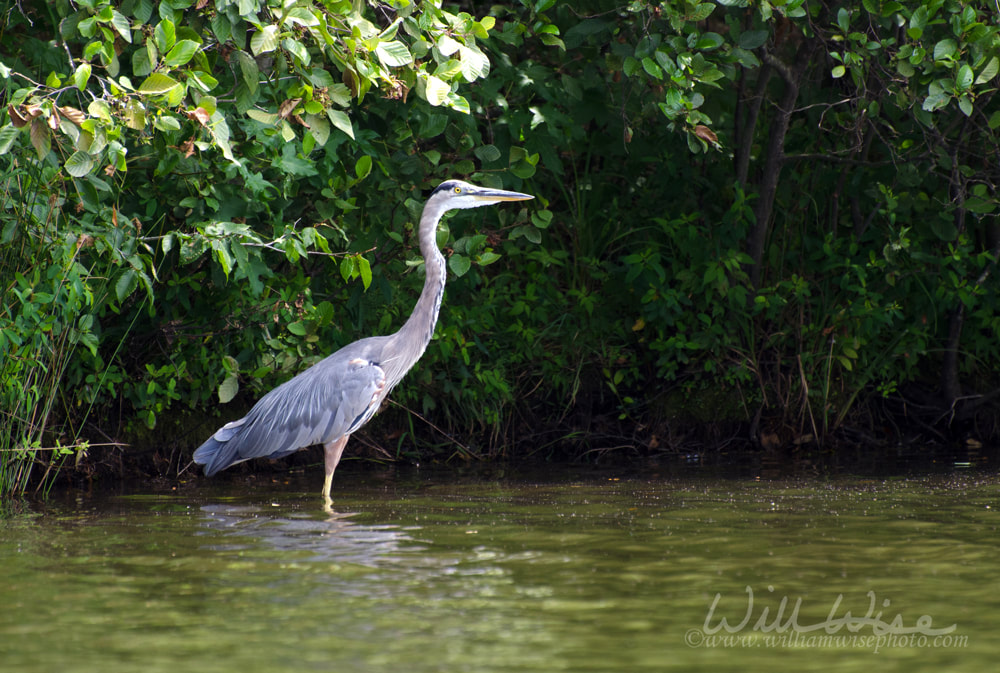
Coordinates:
(333, 537)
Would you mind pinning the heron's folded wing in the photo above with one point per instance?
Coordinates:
(330, 400)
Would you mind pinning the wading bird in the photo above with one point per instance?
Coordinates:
(339, 394)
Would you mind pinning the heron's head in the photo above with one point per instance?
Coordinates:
(457, 194)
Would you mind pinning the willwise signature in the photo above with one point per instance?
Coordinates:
(834, 622)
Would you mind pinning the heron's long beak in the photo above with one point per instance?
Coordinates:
(484, 194)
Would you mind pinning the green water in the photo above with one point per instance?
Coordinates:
(431, 573)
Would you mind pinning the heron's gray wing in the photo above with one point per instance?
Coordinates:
(332, 399)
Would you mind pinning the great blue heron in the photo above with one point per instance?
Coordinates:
(339, 394)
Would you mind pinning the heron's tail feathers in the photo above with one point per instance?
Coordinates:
(218, 453)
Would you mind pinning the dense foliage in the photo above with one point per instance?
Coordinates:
(773, 220)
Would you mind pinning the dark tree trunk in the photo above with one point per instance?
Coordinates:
(774, 154)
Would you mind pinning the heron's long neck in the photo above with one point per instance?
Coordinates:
(412, 339)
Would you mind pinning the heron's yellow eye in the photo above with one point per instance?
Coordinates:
(458, 190)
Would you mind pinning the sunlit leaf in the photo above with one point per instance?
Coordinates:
(122, 25)
(164, 35)
(157, 83)
(363, 167)
(436, 90)
(81, 76)
(8, 134)
(262, 117)
(348, 267)
(79, 164)
(474, 63)
(341, 121)
(447, 45)
(365, 269)
(264, 40)
(181, 53)
(228, 388)
(319, 128)
(989, 72)
(393, 54)
(297, 49)
(945, 49)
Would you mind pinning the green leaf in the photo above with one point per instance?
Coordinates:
(965, 105)
(366, 271)
(79, 164)
(203, 80)
(99, 108)
(262, 117)
(248, 69)
(228, 388)
(838, 71)
(143, 10)
(302, 16)
(122, 25)
(348, 267)
(363, 167)
(701, 12)
(488, 153)
(81, 76)
(843, 19)
(126, 284)
(222, 28)
(945, 49)
(964, 79)
(651, 68)
(976, 204)
(989, 72)
(164, 35)
(224, 257)
(447, 45)
(541, 218)
(709, 41)
(487, 257)
(475, 64)
(297, 49)
(340, 120)
(552, 41)
(141, 63)
(529, 232)
(319, 128)
(393, 54)
(8, 134)
(264, 40)
(298, 328)
(459, 264)
(157, 83)
(752, 39)
(181, 53)
(436, 90)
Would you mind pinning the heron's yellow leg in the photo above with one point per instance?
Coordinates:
(333, 450)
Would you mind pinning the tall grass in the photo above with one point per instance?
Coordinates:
(43, 318)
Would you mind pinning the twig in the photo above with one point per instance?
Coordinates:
(466, 450)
